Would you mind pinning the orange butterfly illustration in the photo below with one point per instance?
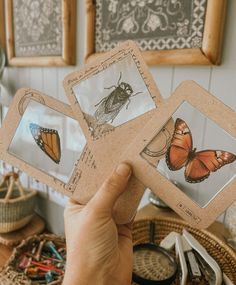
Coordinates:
(48, 140)
(198, 165)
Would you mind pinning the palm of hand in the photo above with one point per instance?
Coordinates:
(104, 243)
(99, 251)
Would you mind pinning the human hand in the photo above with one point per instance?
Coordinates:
(98, 250)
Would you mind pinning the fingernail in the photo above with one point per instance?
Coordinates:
(123, 169)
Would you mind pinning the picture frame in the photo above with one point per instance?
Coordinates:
(218, 158)
(33, 46)
(205, 50)
(2, 25)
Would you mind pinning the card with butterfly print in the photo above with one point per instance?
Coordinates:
(112, 99)
(41, 137)
(196, 176)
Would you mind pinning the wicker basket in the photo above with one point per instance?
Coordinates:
(223, 254)
(16, 204)
(9, 274)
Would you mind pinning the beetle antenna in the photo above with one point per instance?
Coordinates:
(136, 94)
(118, 83)
(113, 86)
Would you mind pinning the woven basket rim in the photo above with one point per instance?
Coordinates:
(29, 193)
(18, 248)
(28, 239)
(204, 231)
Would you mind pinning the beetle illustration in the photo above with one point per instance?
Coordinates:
(110, 106)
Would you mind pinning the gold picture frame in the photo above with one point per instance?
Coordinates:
(209, 53)
(67, 35)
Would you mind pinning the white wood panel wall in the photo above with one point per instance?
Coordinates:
(220, 81)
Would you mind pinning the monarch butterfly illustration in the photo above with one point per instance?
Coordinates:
(198, 165)
(48, 140)
(110, 106)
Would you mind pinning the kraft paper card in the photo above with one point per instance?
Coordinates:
(41, 137)
(113, 98)
(196, 175)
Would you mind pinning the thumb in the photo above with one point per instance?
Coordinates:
(111, 189)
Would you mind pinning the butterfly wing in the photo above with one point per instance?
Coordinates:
(48, 140)
(205, 162)
(181, 145)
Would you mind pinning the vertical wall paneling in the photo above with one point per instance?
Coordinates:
(23, 77)
(163, 78)
(36, 78)
(199, 74)
(223, 83)
(12, 79)
(50, 81)
(62, 72)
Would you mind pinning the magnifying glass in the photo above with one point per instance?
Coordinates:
(153, 264)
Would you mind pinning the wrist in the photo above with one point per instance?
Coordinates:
(91, 280)
(72, 278)
(82, 278)
(77, 276)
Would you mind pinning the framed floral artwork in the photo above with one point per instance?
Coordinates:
(40, 33)
(167, 31)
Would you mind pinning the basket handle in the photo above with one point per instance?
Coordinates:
(6, 178)
(12, 178)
